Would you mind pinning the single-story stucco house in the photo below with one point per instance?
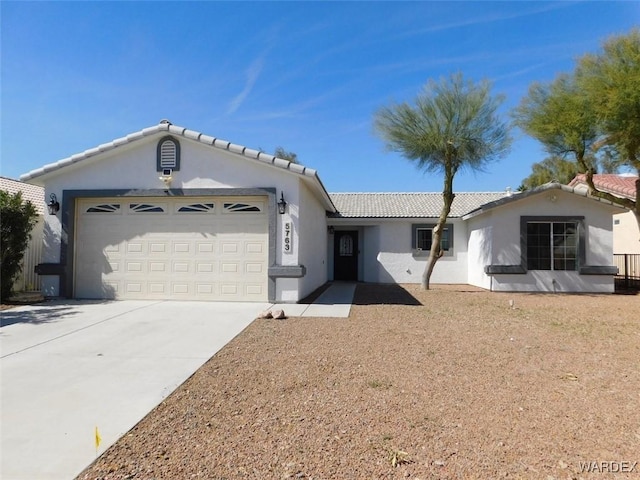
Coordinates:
(171, 213)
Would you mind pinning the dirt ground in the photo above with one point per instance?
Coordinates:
(454, 382)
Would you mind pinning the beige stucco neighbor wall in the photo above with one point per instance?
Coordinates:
(28, 280)
(626, 235)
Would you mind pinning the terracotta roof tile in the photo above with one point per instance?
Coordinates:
(620, 185)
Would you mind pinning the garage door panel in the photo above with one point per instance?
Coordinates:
(157, 288)
(180, 267)
(205, 267)
(181, 248)
(159, 248)
(134, 267)
(205, 289)
(136, 252)
(157, 267)
(253, 268)
(133, 287)
(113, 249)
(206, 247)
(254, 290)
(111, 290)
(229, 248)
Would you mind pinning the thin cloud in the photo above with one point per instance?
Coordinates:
(297, 110)
(270, 38)
(518, 73)
(253, 72)
(487, 19)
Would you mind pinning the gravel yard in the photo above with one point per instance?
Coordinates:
(454, 382)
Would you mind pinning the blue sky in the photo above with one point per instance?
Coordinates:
(307, 76)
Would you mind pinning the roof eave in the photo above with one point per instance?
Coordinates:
(39, 175)
(529, 193)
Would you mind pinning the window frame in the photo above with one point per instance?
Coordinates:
(580, 258)
(448, 227)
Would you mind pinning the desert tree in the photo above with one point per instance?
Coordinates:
(551, 169)
(592, 116)
(560, 116)
(280, 152)
(611, 81)
(451, 125)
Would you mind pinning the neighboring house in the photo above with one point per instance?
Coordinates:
(28, 280)
(170, 213)
(626, 234)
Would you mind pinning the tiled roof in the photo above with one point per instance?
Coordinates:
(529, 193)
(620, 185)
(406, 205)
(33, 193)
(309, 174)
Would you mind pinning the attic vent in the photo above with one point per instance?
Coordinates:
(168, 154)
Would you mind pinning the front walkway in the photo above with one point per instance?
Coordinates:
(335, 302)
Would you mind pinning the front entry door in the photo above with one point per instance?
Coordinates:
(345, 255)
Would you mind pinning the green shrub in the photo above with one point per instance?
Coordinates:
(17, 219)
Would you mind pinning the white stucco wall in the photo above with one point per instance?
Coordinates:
(480, 249)
(133, 166)
(312, 224)
(502, 227)
(386, 255)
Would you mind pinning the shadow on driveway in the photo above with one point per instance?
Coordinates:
(35, 315)
(41, 313)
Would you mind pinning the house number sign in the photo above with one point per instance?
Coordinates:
(288, 238)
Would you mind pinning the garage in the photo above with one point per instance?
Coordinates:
(186, 248)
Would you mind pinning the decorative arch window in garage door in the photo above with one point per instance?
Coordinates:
(242, 207)
(104, 208)
(197, 208)
(145, 208)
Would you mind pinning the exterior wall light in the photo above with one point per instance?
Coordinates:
(282, 205)
(53, 204)
(167, 176)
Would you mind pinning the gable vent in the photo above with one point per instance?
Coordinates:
(168, 154)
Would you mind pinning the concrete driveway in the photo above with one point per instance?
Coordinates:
(68, 367)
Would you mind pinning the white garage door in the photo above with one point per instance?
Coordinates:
(210, 248)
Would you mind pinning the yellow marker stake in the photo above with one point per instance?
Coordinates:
(98, 440)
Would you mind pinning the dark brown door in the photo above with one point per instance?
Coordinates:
(345, 255)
